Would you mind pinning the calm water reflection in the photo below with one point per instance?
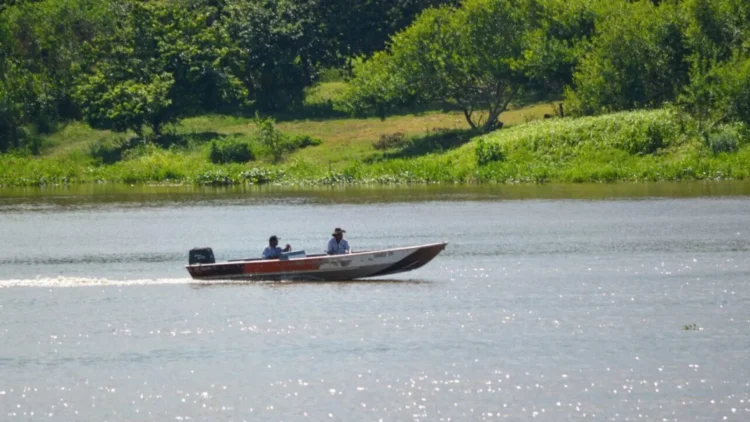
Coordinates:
(140, 195)
(575, 303)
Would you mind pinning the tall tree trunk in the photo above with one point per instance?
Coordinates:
(495, 112)
(467, 114)
(492, 121)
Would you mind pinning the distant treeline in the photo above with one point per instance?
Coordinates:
(602, 55)
(130, 64)
(140, 65)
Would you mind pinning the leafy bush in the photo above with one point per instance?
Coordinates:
(637, 59)
(109, 150)
(646, 141)
(257, 176)
(19, 140)
(724, 139)
(638, 133)
(140, 150)
(127, 105)
(231, 151)
(335, 178)
(488, 152)
(719, 93)
(295, 142)
(214, 177)
(388, 141)
(323, 100)
(276, 143)
(654, 140)
(270, 137)
(33, 144)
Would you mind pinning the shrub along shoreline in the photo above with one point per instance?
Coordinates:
(659, 145)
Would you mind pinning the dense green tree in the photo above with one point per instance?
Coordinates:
(12, 104)
(718, 93)
(46, 40)
(718, 29)
(363, 27)
(137, 64)
(165, 61)
(557, 38)
(283, 44)
(638, 58)
(470, 58)
(129, 103)
(279, 44)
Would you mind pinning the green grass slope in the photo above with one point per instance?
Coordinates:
(630, 146)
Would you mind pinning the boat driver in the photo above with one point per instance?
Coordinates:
(338, 245)
(273, 251)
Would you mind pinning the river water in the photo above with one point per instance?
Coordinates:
(606, 302)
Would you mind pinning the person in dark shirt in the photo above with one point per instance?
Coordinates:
(273, 251)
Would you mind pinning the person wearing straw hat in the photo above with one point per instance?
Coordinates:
(338, 245)
(273, 251)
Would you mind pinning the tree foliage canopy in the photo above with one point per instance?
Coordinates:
(637, 59)
(605, 55)
(475, 58)
(469, 58)
(134, 64)
(138, 64)
(163, 62)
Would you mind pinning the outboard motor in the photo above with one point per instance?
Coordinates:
(201, 256)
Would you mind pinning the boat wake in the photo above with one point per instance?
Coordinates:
(61, 282)
(50, 282)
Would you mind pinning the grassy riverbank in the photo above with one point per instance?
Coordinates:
(422, 148)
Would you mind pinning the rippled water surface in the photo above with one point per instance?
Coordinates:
(549, 303)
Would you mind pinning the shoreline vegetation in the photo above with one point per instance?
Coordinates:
(637, 146)
(318, 93)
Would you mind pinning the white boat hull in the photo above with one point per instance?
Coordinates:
(321, 267)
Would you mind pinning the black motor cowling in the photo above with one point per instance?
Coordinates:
(201, 256)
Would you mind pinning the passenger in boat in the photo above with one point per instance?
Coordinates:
(273, 251)
(338, 245)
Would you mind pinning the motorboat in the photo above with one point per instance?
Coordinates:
(320, 267)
